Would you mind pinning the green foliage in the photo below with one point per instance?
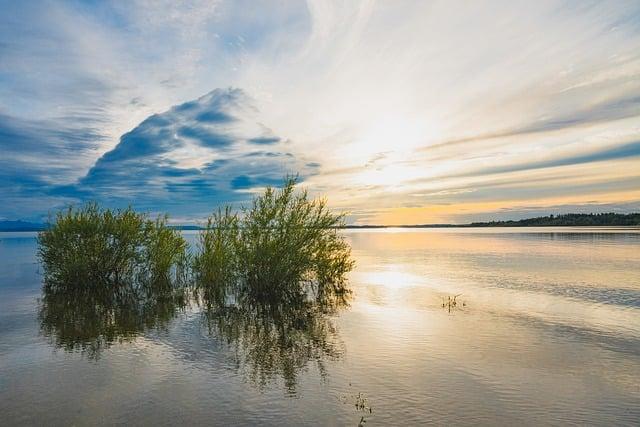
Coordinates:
(164, 260)
(90, 248)
(284, 248)
(109, 275)
(215, 265)
(270, 280)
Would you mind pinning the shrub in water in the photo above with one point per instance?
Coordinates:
(284, 248)
(164, 259)
(215, 265)
(90, 248)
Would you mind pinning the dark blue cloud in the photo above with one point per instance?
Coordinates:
(185, 161)
(266, 140)
(190, 159)
(268, 154)
(45, 138)
(214, 117)
(205, 137)
(242, 182)
(37, 156)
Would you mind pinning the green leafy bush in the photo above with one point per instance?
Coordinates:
(284, 248)
(269, 278)
(163, 256)
(90, 248)
(215, 265)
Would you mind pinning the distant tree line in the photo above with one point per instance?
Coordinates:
(600, 219)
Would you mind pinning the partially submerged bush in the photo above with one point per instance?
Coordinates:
(164, 260)
(215, 266)
(284, 248)
(90, 248)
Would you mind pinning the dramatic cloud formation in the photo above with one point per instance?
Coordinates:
(186, 161)
(418, 111)
(191, 158)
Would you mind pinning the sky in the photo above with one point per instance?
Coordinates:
(399, 112)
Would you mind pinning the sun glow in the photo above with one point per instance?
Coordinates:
(388, 176)
(383, 147)
(387, 135)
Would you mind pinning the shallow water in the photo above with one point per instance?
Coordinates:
(546, 330)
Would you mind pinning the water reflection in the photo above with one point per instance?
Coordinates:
(569, 281)
(271, 341)
(90, 322)
(266, 341)
(550, 335)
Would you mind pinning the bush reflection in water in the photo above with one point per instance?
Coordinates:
(267, 341)
(90, 321)
(280, 340)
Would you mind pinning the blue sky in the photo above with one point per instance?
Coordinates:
(398, 112)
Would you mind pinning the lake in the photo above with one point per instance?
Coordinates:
(545, 330)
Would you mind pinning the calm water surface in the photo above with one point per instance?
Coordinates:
(549, 333)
